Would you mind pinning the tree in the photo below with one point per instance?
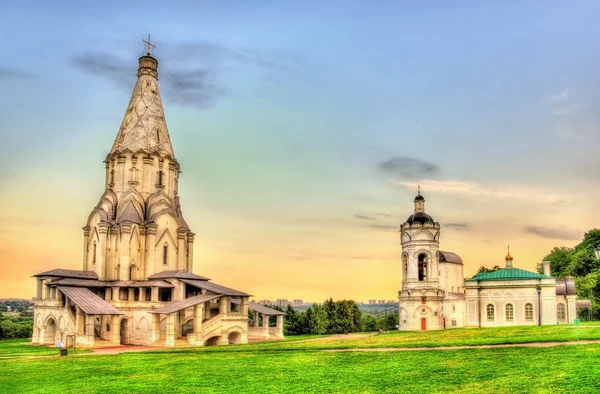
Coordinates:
(484, 269)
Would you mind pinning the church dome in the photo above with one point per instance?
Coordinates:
(420, 217)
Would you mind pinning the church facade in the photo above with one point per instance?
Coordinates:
(435, 295)
(137, 284)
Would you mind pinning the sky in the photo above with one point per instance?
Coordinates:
(303, 129)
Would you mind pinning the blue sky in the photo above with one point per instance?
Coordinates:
(293, 119)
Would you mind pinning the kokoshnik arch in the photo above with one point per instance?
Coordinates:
(137, 284)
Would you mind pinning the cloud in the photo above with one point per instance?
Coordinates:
(362, 217)
(476, 190)
(195, 87)
(408, 167)
(557, 97)
(191, 74)
(554, 233)
(11, 73)
(385, 215)
(458, 226)
(565, 110)
(383, 227)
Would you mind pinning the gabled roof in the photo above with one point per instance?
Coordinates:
(215, 288)
(508, 274)
(183, 304)
(77, 282)
(69, 274)
(449, 257)
(89, 302)
(177, 274)
(261, 308)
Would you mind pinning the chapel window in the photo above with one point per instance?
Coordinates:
(132, 273)
(528, 312)
(160, 178)
(560, 312)
(453, 308)
(165, 254)
(422, 267)
(509, 312)
(94, 254)
(490, 312)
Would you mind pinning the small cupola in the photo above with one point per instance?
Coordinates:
(509, 259)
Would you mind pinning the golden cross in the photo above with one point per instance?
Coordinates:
(149, 46)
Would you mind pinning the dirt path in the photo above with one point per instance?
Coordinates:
(336, 336)
(413, 349)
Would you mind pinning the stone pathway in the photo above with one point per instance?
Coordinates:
(413, 349)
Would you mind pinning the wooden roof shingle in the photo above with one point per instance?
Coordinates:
(183, 304)
(215, 288)
(69, 274)
(89, 302)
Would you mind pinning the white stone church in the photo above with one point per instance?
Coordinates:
(435, 295)
(137, 284)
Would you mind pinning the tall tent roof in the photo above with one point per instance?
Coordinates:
(144, 127)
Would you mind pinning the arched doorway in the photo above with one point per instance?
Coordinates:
(124, 331)
(212, 341)
(234, 337)
(50, 331)
(423, 324)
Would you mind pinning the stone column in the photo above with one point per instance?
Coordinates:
(279, 326)
(244, 306)
(131, 294)
(80, 321)
(101, 263)
(39, 289)
(181, 255)
(155, 327)
(181, 320)
(86, 238)
(223, 305)
(107, 294)
(124, 249)
(207, 310)
(154, 295)
(170, 340)
(143, 264)
(177, 325)
(116, 294)
(142, 291)
(115, 329)
(198, 315)
(89, 328)
(190, 256)
(151, 245)
(266, 325)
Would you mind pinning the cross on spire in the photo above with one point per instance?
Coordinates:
(149, 46)
(419, 189)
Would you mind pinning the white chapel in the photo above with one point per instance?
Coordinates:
(435, 294)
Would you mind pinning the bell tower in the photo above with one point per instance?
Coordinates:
(421, 297)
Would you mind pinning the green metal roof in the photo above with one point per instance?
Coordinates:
(509, 274)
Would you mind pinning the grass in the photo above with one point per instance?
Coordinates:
(533, 370)
(23, 347)
(297, 364)
(409, 339)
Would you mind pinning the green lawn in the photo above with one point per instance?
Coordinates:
(23, 347)
(455, 337)
(298, 364)
(560, 369)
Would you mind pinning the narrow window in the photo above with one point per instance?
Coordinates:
(422, 267)
(94, 255)
(157, 136)
(160, 178)
(509, 312)
(528, 312)
(132, 273)
(490, 312)
(112, 177)
(165, 254)
(560, 312)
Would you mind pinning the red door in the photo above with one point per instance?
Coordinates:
(423, 324)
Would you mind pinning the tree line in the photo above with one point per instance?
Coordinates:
(580, 262)
(334, 317)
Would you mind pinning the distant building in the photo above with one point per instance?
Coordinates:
(297, 303)
(282, 303)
